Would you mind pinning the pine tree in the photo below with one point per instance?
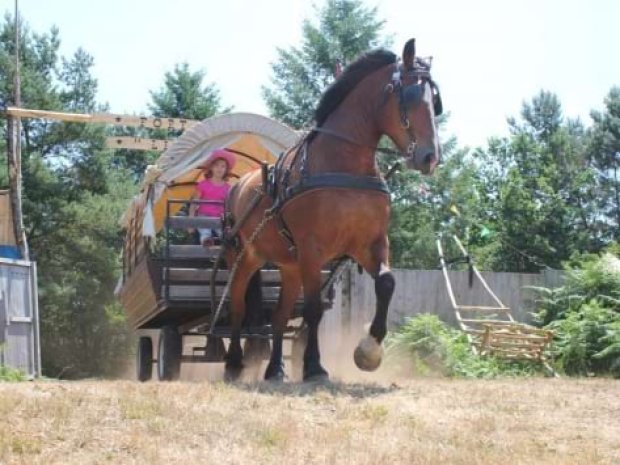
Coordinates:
(346, 29)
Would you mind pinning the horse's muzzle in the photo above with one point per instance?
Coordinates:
(424, 160)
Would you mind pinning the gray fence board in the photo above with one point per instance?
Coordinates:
(424, 291)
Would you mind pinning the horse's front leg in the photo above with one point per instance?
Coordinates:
(291, 285)
(369, 352)
(238, 288)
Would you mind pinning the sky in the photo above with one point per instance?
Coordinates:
(489, 55)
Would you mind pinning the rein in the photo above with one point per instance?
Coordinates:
(329, 132)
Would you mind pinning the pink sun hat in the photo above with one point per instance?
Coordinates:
(220, 154)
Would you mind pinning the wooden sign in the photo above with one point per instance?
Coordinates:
(137, 143)
(176, 124)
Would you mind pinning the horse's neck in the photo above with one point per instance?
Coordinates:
(355, 120)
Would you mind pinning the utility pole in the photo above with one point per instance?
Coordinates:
(14, 153)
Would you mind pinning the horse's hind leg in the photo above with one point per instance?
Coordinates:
(238, 287)
(369, 351)
(313, 312)
(291, 285)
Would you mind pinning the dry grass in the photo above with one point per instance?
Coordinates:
(417, 422)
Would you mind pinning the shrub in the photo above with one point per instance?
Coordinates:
(432, 347)
(10, 374)
(584, 313)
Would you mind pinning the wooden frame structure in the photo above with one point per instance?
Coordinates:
(491, 329)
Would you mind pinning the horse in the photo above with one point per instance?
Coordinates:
(329, 201)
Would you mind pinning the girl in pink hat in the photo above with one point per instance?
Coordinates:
(213, 188)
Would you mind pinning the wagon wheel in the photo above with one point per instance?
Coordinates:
(169, 352)
(144, 359)
(297, 353)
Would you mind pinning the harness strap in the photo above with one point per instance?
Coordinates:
(336, 180)
(329, 132)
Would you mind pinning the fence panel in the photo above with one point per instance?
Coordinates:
(19, 330)
(424, 291)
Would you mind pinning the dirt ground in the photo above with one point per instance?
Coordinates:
(416, 421)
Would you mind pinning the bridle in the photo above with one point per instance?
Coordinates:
(408, 95)
(412, 94)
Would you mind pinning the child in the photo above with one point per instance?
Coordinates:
(214, 188)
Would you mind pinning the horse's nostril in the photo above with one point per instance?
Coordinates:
(428, 158)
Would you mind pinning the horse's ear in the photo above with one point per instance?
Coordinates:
(409, 54)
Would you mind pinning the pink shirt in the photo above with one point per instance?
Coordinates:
(209, 191)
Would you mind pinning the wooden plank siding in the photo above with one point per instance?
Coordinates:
(140, 292)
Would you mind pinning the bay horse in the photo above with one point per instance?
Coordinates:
(329, 201)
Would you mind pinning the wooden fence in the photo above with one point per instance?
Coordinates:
(423, 291)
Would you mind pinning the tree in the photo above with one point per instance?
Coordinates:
(182, 96)
(346, 29)
(423, 207)
(604, 155)
(536, 190)
(71, 202)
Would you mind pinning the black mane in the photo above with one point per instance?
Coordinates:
(351, 77)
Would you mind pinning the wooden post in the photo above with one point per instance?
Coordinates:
(14, 154)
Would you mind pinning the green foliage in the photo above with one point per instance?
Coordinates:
(83, 330)
(587, 278)
(537, 191)
(10, 374)
(604, 156)
(72, 200)
(432, 347)
(346, 29)
(584, 313)
(588, 340)
(182, 96)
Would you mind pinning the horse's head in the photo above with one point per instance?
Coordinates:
(414, 102)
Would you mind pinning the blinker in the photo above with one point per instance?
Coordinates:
(412, 95)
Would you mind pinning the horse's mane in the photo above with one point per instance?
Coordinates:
(351, 77)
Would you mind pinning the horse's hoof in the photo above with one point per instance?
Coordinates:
(232, 373)
(368, 354)
(274, 374)
(315, 373)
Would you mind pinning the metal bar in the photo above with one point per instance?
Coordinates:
(183, 222)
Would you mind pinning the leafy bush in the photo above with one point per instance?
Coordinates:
(10, 374)
(432, 347)
(584, 313)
